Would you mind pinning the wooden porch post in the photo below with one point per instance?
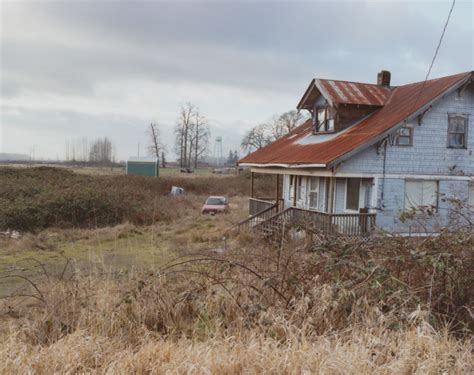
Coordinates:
(331, 195)
(277, 198)
(251, 184)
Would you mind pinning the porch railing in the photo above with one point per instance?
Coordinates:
(351, 225)
(257, 205)
(258, 218)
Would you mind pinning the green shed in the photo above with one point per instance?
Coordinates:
(143, 166)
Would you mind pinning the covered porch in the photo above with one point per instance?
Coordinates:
(321, 202)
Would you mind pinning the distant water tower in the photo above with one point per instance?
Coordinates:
(218, 153)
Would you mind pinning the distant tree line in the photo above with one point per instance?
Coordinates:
(232, 158)
(100, 150)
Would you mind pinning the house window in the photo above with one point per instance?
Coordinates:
(457, 131)
(313, 192)
(291, 191)
(352, 194)
(421, 194)
(405, 136)
(324, 121)
(299, 193)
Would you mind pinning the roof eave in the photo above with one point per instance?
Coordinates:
(305, 95)
(283, 165)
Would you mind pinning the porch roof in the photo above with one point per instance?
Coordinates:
(301, 148)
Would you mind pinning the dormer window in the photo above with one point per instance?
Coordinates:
(324, 119)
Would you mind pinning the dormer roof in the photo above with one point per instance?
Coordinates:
(344, 92)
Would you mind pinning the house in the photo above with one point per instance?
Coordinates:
(144, 166)
(369, 153)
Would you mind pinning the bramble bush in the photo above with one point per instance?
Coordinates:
(37, 198)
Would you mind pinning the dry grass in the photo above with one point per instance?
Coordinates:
(352, 308)
(414, 351)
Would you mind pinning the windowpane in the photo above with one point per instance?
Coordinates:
(456, 124)
(299, 183)
(404, 141)
(313, 186)
(456, 140)
(405, 132)
(430, 193)
(423, 193)
(331, 125)
(352, 194)
(413, 194)
(313, 199)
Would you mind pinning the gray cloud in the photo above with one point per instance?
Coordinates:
(254, 54)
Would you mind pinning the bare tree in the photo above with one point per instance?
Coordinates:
(256, 138)
(163, 160)
(155, 147)
(67, 154)
(101, 151)
(286, 122)
(183, 132)
(200, 139)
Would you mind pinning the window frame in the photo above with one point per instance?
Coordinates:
(329, 120)
(410, 136)
(464, 134)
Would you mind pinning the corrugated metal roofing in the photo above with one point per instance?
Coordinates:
(398, 106)
(353, 92)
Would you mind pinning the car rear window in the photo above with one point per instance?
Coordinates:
(215, 201)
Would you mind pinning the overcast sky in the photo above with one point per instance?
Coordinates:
(108, 68)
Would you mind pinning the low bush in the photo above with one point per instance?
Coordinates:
(37, 198)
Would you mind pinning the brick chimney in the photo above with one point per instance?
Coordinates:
(383, 78)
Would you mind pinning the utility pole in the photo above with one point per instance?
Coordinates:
(138, 155)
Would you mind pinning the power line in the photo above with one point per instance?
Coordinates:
(435, 55)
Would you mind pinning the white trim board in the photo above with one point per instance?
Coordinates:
(326, 173)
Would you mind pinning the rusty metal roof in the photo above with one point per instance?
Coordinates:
(301, 147)
(344, 92)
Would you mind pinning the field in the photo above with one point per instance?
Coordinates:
(109, 274)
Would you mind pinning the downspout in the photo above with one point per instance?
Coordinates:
(384, 169)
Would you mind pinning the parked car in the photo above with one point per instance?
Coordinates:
(215, 204)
